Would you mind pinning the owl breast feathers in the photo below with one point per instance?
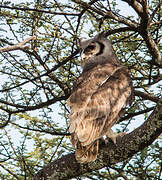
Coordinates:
(99, 97)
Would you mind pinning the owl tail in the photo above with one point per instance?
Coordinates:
(85, 154)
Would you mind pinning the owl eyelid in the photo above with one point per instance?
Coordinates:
(89, 48)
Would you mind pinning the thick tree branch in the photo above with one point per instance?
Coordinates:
(142, 11)
(146, 96)
(136, 6)
(153, 48)
(109, 154)
(19, 46)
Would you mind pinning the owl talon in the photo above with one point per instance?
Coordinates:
(113, 136)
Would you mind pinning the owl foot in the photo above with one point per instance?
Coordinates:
(113, 136)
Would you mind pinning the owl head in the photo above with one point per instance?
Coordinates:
(96, 50)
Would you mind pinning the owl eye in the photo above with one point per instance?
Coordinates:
(89, 48)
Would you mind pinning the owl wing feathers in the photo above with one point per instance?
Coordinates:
(98, 98)
(103, 93)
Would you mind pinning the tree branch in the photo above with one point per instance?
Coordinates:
(61, 63)
(39, 10)
(51, 132)
(118, 30)
(109, 154)
(108, 14)
(135, 5)
(146, 96)
(153, 48)
(6, 123)
(130, 115)
(19, 46)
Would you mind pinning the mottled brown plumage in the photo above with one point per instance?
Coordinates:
(99, 97)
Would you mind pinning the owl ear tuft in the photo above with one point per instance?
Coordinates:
(101, 35)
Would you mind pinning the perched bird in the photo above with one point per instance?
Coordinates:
(98, 98)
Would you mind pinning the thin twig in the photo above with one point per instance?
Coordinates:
(38, 10)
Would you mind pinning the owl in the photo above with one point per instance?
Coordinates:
(99, 97)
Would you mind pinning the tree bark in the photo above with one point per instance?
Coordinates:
(126, 146)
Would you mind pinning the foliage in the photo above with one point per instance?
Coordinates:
(37, 81)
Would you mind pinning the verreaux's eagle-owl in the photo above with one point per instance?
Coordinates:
(99, 97)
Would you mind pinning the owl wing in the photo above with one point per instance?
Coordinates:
(98, 97)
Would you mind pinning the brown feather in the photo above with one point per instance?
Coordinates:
(98, 99)
(85, 154)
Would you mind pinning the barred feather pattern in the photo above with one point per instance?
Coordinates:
(97, 102)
